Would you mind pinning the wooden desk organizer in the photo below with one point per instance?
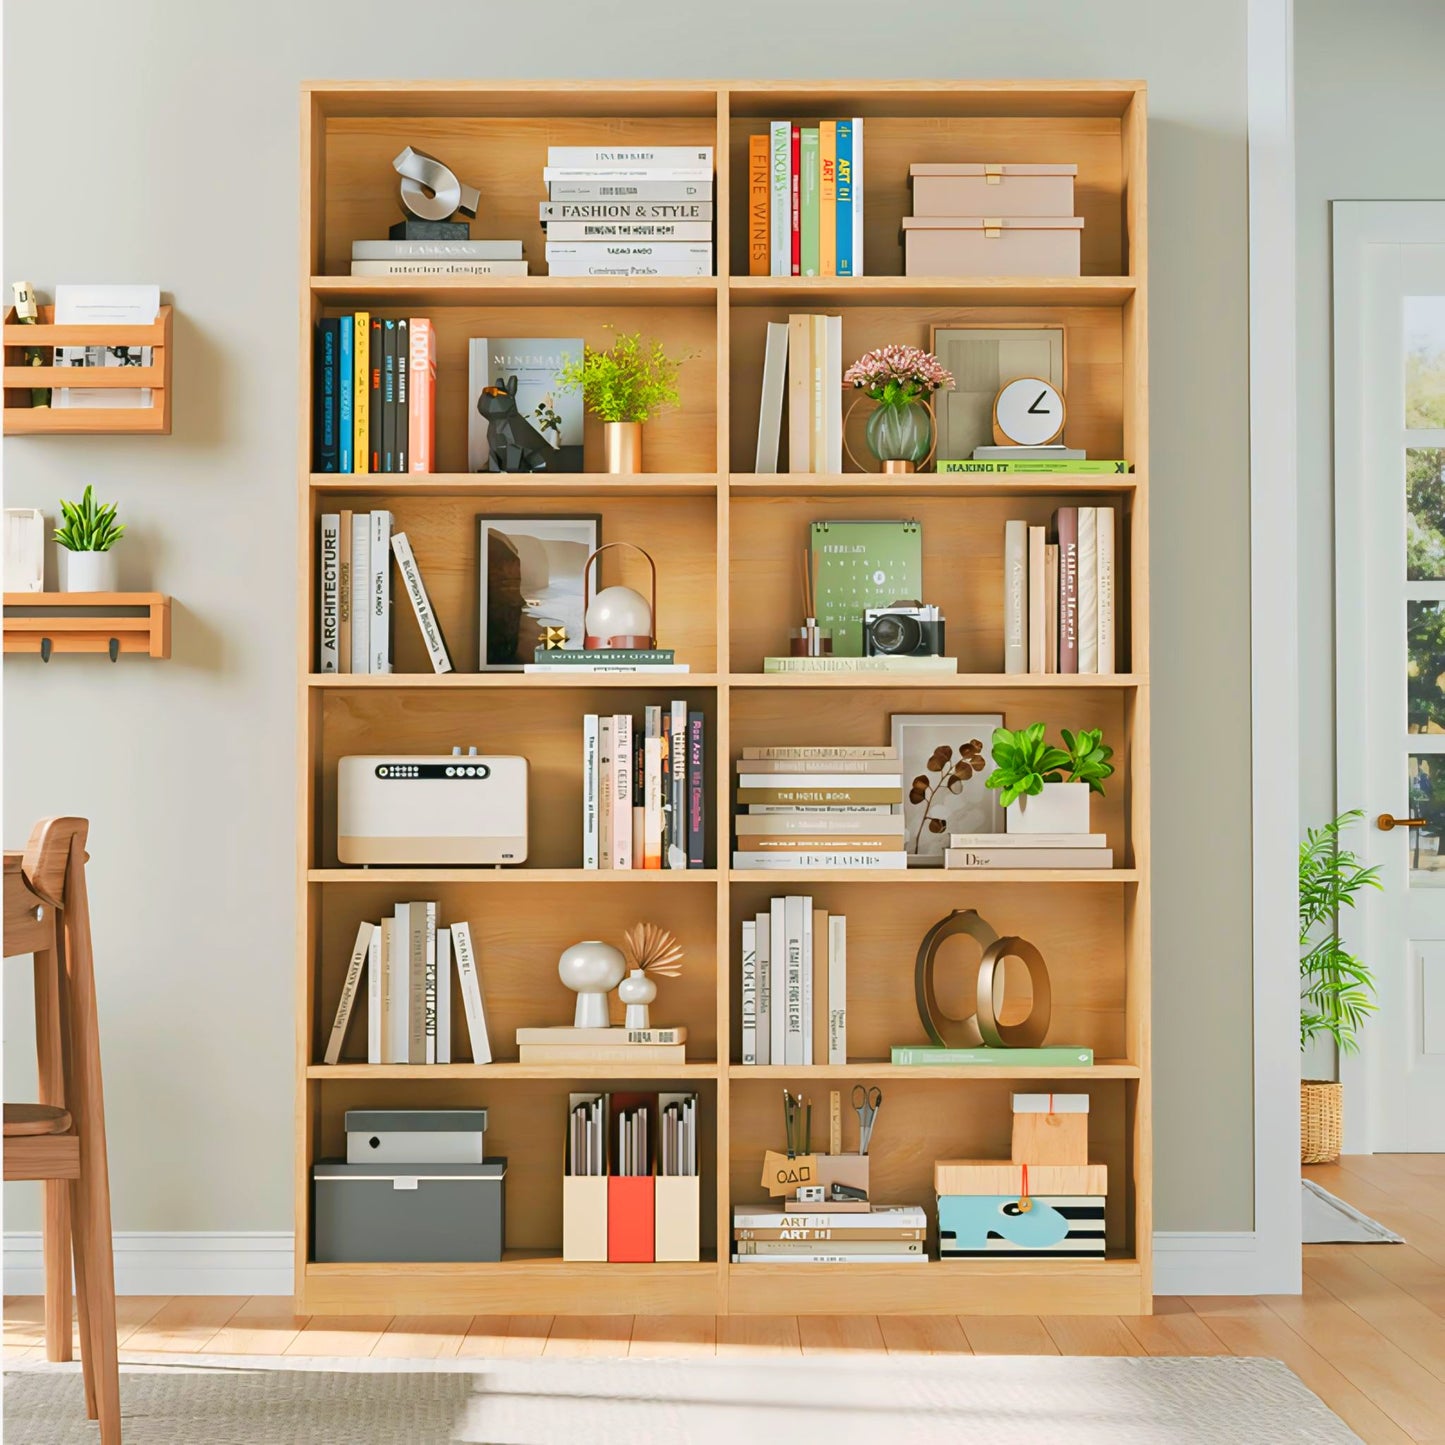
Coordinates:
(22, 419)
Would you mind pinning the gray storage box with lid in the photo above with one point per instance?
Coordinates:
(409, 1214)
(416, 1136)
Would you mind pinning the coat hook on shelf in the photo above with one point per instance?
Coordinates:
(45, 649)
(114, 648)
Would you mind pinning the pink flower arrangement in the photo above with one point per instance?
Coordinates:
(895, 375)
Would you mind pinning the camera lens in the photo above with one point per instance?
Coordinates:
(894, 634)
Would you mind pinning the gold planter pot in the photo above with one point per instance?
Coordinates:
(622, 446)
(1321, 1120)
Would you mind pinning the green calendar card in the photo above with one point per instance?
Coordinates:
(857, 565)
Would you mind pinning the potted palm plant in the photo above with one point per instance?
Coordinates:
(624, 384)
(1045, 789)
(1336, 988)
(85, 539)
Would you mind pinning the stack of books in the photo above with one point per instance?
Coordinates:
(643, 798)
(885, 1234)
(1059, 593)
(629, 210)
(374, 394)
(804, 358)
(408, 963)
(602, 1046)
(819, 807)
(805, 199)
(440, 256)
(795, 985)
(1028, 850)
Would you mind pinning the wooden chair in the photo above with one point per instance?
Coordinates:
(61, 1140)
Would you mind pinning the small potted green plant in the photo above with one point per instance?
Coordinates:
(1336, 988)
(85, 539)
(1045, 789)
(625, 385)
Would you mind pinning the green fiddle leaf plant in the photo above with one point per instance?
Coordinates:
(628, 381)
(1024, 762)
(1336, 988)
(88, 526)
(1088, 758)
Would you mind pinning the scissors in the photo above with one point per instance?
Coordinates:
(867, 1103)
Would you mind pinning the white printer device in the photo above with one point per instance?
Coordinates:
(459, 810)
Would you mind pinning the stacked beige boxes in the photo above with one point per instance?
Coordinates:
(981, 219)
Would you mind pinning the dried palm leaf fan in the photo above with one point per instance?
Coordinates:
(654, 950)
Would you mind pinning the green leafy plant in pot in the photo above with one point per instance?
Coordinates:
(1045, 789)
(625, 385)
(1336, 988)
(86, 536)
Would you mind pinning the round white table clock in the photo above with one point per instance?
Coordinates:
(1028, 412)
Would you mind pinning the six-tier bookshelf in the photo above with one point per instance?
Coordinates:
(726, 542)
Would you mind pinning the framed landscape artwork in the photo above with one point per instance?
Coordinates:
(944, 760)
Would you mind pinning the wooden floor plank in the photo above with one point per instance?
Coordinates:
(1401, 1318)
(1174, 1329)
(589, 1335)
(830, 1334)
(186, 1325)
(673, 1336)
(1091, 1335)
(264, 1325)
(923, 1335)
(499, 1336)
(758, 1335)
(339, 1335)
(25, 1318)
(422, 1337)
(1402, 1264)
(1007, 1335)
(1251, 1328)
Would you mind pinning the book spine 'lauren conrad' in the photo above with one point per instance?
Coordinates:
(421, 398)
(415, 589)
(758, 256)
(470, 981)
(329, 649)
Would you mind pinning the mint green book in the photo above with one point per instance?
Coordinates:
(1038, 467)
(858, 565)
(808, 189)
(1057, 1056)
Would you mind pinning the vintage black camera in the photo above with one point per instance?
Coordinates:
(906, 629)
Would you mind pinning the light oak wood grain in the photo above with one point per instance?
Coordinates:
(1008, 1335)
(356, 1335)
(1079, 1335)
(514, 1335)
(834, 1334)
(758, 1335)
(264, 1325)
(1174, 1329)
(588, 1336)
(186, 1324)
(423, 1337)
(673, 1336)
(923, 1335)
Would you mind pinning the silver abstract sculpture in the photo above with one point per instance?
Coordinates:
(430, 191)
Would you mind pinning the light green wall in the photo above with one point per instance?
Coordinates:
(171, 156)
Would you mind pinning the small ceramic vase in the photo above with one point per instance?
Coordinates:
(592, 969)
(637, 991)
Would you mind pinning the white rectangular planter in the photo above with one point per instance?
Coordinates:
(1060, 808)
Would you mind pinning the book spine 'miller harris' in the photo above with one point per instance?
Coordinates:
(415, 589)
(329, 641)
(759, 259)
(696, 819)
(1066, 529)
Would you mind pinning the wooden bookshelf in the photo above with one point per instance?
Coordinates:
(726, 541)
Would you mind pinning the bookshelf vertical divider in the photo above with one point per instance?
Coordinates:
(726, 543)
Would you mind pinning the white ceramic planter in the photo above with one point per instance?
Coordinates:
(1060, 808)
(88, 571)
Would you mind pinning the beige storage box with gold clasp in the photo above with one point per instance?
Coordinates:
(973, 188)
(991, 245)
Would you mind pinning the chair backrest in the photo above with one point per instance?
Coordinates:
(48, 855)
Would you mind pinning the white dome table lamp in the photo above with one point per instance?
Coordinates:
(618, 616)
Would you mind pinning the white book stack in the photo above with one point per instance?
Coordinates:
(981, 851)
(795, 985)
(629, 211)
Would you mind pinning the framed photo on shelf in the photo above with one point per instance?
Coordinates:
(944, 760)
(530, 578)
(984, 359)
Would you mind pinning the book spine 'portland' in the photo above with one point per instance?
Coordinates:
(415, 588)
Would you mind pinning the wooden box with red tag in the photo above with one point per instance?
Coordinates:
(1050, 1129)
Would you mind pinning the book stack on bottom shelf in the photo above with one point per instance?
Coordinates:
(881, 1234)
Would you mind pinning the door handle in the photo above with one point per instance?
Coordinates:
(1385, 822)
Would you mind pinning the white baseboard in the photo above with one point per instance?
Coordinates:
(258, 1262)
(1224, 1262)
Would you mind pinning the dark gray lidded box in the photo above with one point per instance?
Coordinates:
(409, 1214)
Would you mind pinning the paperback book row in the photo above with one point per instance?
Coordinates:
(795, 985)
(643, 799)
(355, 580)
(374, 394)
(805, 199)
(1059, 593)
(630, 1186)
(819, 807)
(628, 210)
(880, 1234)
(803, 361)
(407, 963)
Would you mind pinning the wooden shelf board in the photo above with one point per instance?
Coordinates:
(85, 622)
(513, 290)
(484, 1072)
(991, 680)
(931, 291)
(453, 681)
(925, 484)
(529, 484)
(762, 100)
(872, 1069)
(1042, 877)
(511, 875)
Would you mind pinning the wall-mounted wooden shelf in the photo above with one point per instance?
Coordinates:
(22, 419)
(103, 622)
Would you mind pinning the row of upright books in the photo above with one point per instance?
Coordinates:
(805, 199)
(882, 1234)
(643, 797)
(819, 807)
(795, 985)
(803, 361)
(628, 210)
(374, 394)
(408, 963)
(1059, 593)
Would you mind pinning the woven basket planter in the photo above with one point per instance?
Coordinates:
(1321, 1121)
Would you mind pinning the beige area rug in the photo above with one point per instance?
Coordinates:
(842, 1400)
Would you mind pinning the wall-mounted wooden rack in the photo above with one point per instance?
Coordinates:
(104, 622)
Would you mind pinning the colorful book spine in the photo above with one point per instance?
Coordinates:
(386, 456)
(374, 415)
(429, 987)
(421, 397)
(361, 395)
(858, 184)
(346, 396)
(652, 820)
(328, 656)
(795, 200)
(844, 222)
(750, 991)
(779, 191)
(1015, 597)
(677, 785)
(759, 260)
(696, 819)
(325, 408)
(828, 198)
(1104, 538)
(1066, 530)
(415, 589)
(591, 791)
(808, 185)
(1050, 1057)
(403, 419)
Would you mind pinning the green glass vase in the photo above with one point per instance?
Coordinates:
(900, 435)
